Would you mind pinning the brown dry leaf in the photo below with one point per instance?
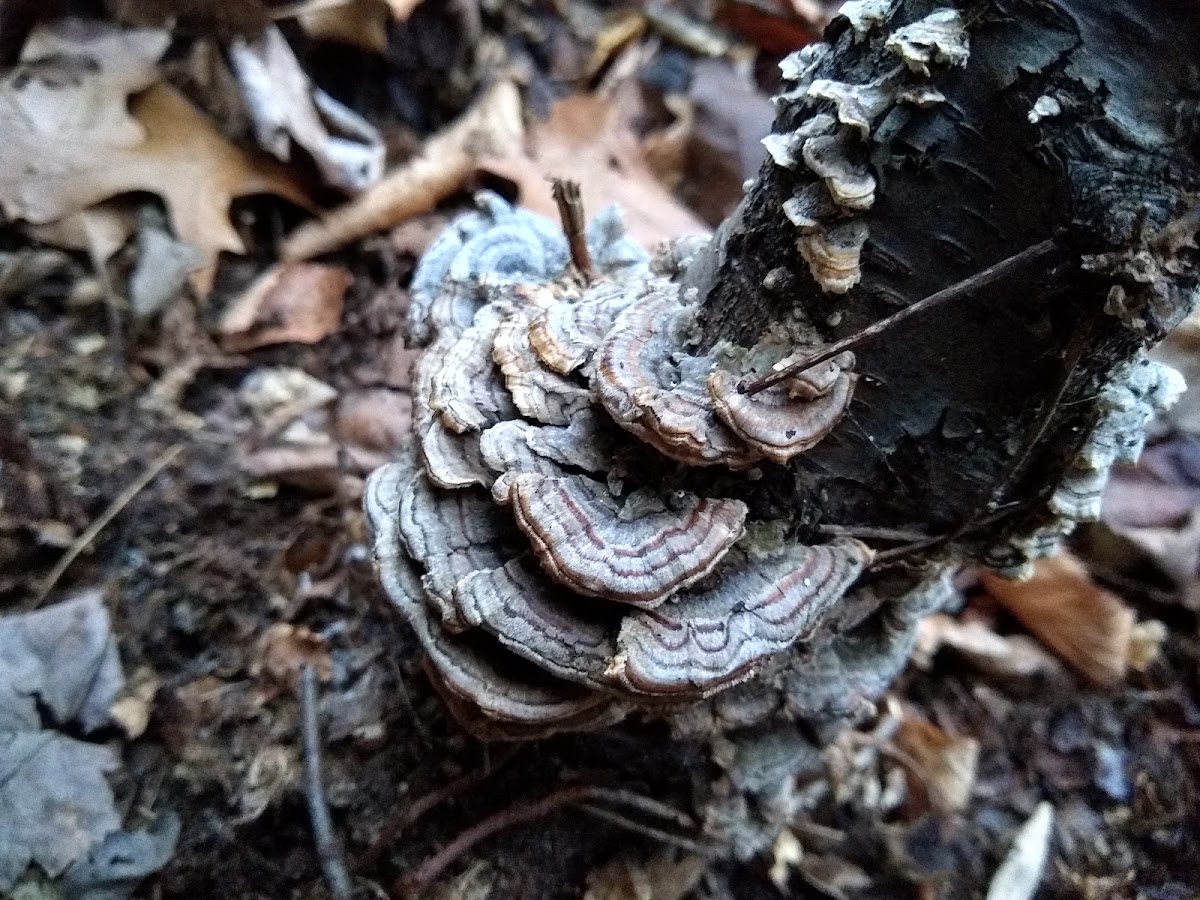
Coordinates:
(1011, 656)
(373, 424)
(99, 230)
(945, 764)
(588, 138)
(1176, 551)
(833, 875)
(286, 108)
(666, 150)
(1088, 627)
(273, 772)
(290, 303)
(786, 854)
(284, 649)
(133, 708)
(358, 23)
(402, 9)
(492, 126)
(70, 142)
(662, 877)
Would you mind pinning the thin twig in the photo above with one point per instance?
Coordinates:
(873, 532)
(788, 367)
(416, 880)
(123, 499)
(620, 796)
(659, 834)
(1074, 354)
(574, 223)
(886, 556)
(413, 811)
(329, 854)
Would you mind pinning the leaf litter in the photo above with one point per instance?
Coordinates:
(233, 585)
(60, 670)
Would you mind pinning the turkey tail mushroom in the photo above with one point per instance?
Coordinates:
(563, 544)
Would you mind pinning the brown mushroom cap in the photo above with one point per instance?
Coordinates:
(656, 391)
(705, 641)
(586, 541)
(776, 424)
(538, 392)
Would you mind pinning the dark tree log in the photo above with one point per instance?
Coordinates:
(979, 405)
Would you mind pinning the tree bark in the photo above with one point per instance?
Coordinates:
(968, 415)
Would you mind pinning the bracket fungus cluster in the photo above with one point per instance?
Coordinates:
(569, 537)
(828, 126)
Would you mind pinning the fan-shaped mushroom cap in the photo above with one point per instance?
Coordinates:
(702, 642)
(833, 255)
(778, 425)
(452, 460)
(586, 541)
(517, 447)
(817, 381)
(654, 390)
(851, 185)
(496, 705)
(1080, 493)
(537, 392)
(451, 534)
(565, 335)
(810, 207)
(495, 693)
(539, 621)
(466, 389)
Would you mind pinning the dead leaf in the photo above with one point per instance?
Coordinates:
(71, 142)
(943, 763)
(285, 106)
(273, 772)
(588, 138)
(284, 649)
(374, 421)
(833, 875)
(357, 23)
(132, 710)
(99, 230)
(1176, 551)
(278, 395)
(662, 877)
(1086, 626)
(1021, 872)
(59, 668)
(162, 269)
(290, 302)
(730, 118)
(1004, 656)
(786, 854)
(492, 126)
